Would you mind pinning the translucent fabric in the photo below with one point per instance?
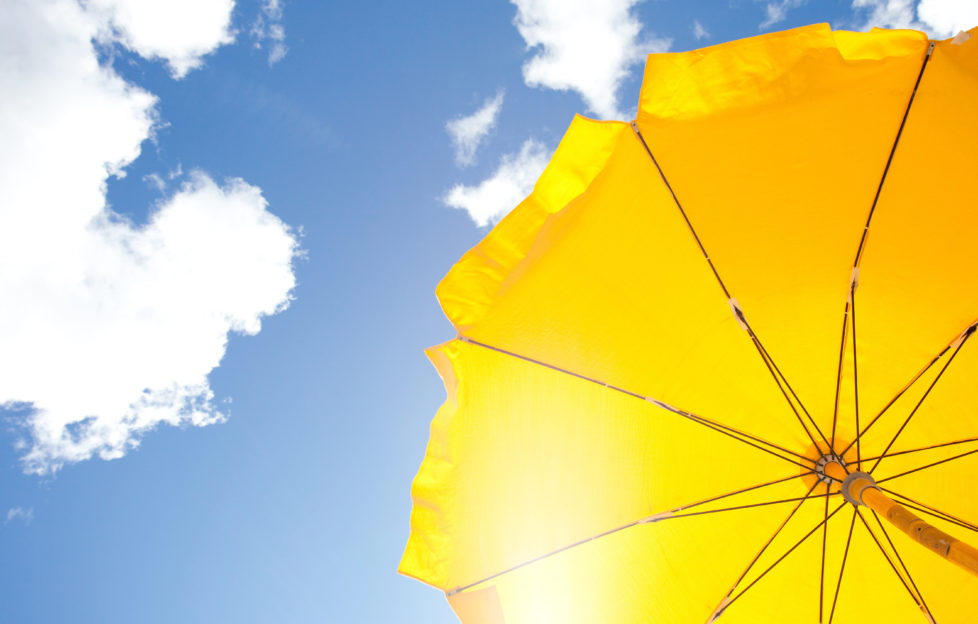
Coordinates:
(620, 445)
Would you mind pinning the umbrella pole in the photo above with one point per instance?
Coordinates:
(859, 488)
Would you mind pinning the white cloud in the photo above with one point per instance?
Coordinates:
(887, 13)
(468, 132)
(268, 26)
(699, 31)
(585, 46)
(160, 183)
(110, 329)
(179, 31)
(945, 18)
(156, 181)
(25, 515)
(939, 18)
(777, 11)
(509, 185)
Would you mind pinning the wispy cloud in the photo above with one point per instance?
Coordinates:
(512, 181)
(159, 182)
(268, 28)
(181, 32)
(583, 46)
(699, 31)
(939, 18)
(111, 329)
(777, 11)
(468, 132)
(886, 13)
(19, 513)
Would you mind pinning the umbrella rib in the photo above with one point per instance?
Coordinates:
(855, 380)
(923, 603)
(544, 556)
(838, 376)
(726, 598)
(733, 433)
(886, 556)
(903, 474)
(855, 266)
(889, 160)
(739, 313)
(926, 448)
(675, 199)
(735, 492)
(932, 511)
(646, 520)
(778, 377)
(720, 428)
(780, 559)
(842, 568)
(899, 394)
(821, 573)
(967, 334)
(748, 506)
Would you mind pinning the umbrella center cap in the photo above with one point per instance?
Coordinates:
(822, 462)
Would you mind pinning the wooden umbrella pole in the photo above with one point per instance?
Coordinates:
(859, 488)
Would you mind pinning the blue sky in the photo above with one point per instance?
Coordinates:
(221, 227)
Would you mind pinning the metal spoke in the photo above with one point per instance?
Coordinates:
(768, 360)
(842, 568)
(925, 448)
(743, 437)
(967, 334)
(937, 463)
(726, 598)
(747, 439)
(838, 375)
(855, 379)
(748, 506)
(889, 561)
(821, 572)
(665, 515)
(740, 491)
(889, 160)
(778, 377)
(782, 557)
(851, 301)
(896, 397)
(904, 566)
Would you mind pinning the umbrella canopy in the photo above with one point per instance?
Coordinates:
(773, 268)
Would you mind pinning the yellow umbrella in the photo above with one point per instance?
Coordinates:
(672, 353)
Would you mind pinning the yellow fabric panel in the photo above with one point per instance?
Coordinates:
(789, 592)
(673, 571)
(524, 460)
(871, 591)
(478, 606)
(775, 147)
(470, 287)
(765, 71)
(947, 414)
(939, 487)
(679, 570)
(949, 591)
(919, 286)
(778, 174)
(614, 287)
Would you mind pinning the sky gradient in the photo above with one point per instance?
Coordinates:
(221, 227)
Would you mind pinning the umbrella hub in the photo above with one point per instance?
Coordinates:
(852, 484)
(821, 466)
